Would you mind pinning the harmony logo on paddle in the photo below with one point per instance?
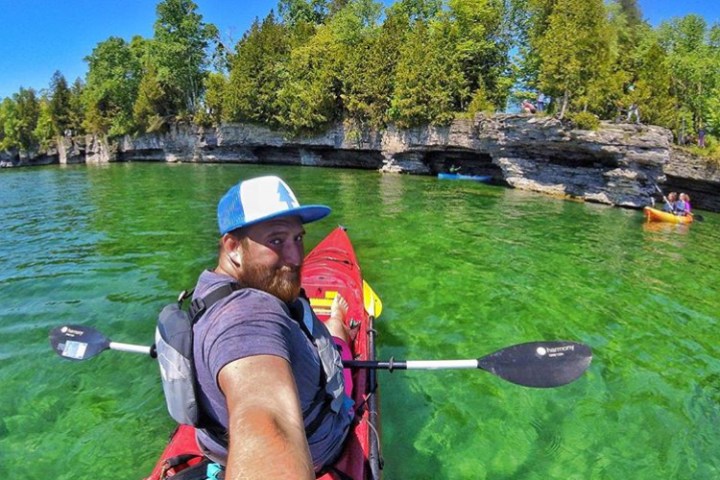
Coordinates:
(71, 333)
(555, 351)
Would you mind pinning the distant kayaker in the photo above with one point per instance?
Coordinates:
(670, 202)
(682, 206)
(269, 372)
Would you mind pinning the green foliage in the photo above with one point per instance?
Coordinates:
(179, 53)
(427, 80)
(481, 49)
(60, 104)
(313, 12)
(9, 125)
(76, 115)
(694, 59)
(480, 103)
(27, 110)
(416, 62)
(420, 11)
(257, 73)
(585, 121)
(368, 52)
(112, 83)
(712, 113)
(45, 130)
(215, 85)
(574, 52)
(309, 95)
(150, 106)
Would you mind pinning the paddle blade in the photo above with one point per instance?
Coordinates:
(373, 305)
(539, 364)
(77, 342)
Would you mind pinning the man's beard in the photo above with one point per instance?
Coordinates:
(283, 282)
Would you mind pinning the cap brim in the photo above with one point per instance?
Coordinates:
(307, 214)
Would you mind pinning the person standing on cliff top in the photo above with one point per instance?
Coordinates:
(633, 111)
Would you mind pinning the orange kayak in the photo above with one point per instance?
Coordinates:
(330, 268)
(655, 215)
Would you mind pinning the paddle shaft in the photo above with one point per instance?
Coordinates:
(412, 364)
(376, 365)
(663, 196)
(128, 347)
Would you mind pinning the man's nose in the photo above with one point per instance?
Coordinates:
(293, 254)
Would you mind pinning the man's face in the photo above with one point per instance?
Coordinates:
(272, 254)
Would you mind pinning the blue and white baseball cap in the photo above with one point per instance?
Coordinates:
(260, 199)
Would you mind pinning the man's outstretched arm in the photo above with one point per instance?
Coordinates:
(267, 436)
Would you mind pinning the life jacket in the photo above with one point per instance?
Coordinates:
(174, 346)
(334, 384)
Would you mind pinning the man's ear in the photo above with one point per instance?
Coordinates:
(230, 246)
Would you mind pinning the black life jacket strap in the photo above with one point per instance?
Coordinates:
(200, 305)
(196, 310)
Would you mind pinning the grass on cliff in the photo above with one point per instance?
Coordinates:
(711, 152)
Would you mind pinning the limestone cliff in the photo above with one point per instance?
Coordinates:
(616, 165)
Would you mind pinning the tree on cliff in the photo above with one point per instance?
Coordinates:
(27, 113)
(59, 105)
(45, 130)
(112, 83)
(368, 53)
(257, 73)
(481, 47)
(8, 124)
(76, 116)
(180, 42)
(308, 98)
(423, 80)
(152, 103)
(694, 58)
(573, 51)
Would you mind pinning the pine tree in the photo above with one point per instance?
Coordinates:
(179, 51)
(573, 50)
(59, 105)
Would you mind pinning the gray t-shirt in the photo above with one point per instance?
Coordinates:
(252, 322)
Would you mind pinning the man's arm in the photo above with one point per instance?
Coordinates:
(267, 435)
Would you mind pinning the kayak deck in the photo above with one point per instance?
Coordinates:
(330, 268)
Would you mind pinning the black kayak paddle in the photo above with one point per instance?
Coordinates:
(533, 364)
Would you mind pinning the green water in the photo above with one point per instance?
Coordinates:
(463, 269)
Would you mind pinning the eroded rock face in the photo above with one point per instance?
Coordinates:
(617, 164)
(694, 176)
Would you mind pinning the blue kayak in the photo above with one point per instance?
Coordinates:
(460, 176)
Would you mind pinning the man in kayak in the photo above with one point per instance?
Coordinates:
(269, 373)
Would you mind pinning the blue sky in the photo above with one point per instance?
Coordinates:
(38, 37)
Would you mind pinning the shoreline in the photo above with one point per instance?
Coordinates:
(618, 164)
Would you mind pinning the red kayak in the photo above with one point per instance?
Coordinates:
(330, 268)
